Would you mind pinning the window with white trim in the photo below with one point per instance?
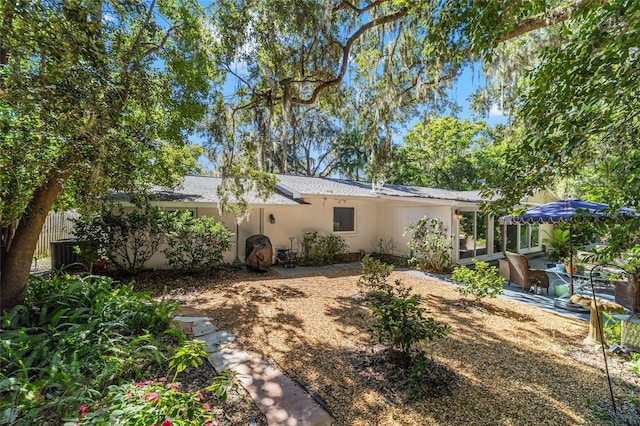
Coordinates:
(344, 219)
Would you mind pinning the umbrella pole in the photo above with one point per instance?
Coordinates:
(570, 263)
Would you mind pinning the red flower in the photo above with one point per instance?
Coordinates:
(83, 408)
(206, 407)
(167, 423)
(151, 396)
(139, 384)
(199, 395)
(162, 379)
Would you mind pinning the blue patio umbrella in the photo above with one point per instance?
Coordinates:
(565, 211)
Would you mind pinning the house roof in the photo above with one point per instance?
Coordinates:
(203, 189)
(291, 190)
(304, 185)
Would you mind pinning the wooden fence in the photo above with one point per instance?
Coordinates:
(58, 226)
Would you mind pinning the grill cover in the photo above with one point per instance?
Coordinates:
(258, 252)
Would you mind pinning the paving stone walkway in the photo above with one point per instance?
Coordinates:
(278, 397)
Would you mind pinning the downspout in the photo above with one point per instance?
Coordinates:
(261, 226)
(237, 260)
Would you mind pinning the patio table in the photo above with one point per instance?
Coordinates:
(602, 283)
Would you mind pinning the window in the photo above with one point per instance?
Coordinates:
(344, 219)
(523, 238)
(473, 234)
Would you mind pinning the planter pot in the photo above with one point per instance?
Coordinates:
(630, 333)
(560, 290)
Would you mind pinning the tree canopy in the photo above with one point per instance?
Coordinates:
(391, 56)
(441, 152)
(578, 109)
(94, 95)
(102, 94)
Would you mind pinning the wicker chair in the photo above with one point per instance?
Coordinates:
(520, 273)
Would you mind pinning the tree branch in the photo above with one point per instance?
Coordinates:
(346, 49)
(547, 19)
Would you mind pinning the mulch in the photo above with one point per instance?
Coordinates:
(511, 363)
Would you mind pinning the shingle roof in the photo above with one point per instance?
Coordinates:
(293, 189)
(203, 189)
(341, 187)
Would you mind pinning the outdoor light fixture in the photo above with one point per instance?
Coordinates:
(272, 219)
(459, 215)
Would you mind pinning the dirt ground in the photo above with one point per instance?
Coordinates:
(516, 364)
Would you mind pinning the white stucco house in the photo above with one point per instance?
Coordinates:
(353, 210)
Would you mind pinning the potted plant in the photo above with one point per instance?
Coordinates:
(569, 264)
(558, 243)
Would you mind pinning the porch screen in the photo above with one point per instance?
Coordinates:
(344, 219)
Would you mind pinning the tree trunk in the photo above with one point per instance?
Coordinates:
(16, 266)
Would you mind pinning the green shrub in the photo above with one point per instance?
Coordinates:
(374, 275)
(195, 243)
(611, 329)
(71, 339)
(480, 282)
(399, 320)
(128, 239)
(155, 402)
(558, 242)
(321, 250)
(430, 245)
(634, 364)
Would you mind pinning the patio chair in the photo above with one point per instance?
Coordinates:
(521, 274)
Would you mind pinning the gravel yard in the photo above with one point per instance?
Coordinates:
(516, 364)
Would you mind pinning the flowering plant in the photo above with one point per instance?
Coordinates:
(154, 402)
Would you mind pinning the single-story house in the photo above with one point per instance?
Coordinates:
(362, 215)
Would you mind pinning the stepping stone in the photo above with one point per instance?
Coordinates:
(190, 319)
(202, 328)
(281, 400)
(227, 359)
(216, 339)
(185, 327)
(188, 311)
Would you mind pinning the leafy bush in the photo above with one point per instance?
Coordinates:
(480, 282)
(319, 250)
(374, 275)
(128, 239)
(611, 329)
(558, 241)
(399, 320)
(72, 339)
(156, 402)
(634, 364)
(430, 245)
(195, 243)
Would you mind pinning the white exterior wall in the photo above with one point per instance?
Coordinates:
(397, 217)
(375, 219)
(295, 221)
